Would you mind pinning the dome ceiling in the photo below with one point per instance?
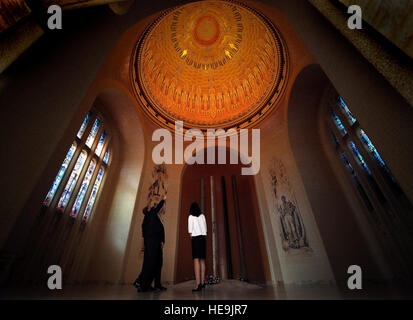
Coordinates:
(211, 64)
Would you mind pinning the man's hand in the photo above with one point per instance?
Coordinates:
(164, 197)
(162, 245)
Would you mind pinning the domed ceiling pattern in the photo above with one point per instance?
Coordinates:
(211, 64)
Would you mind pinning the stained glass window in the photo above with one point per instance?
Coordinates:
(72, 181)
(60, 174)
(92, 197)
(82, 183)
(346, 110)
(359, 157)
(359, 186)
(93, 133)
(106, 157)
(83, 188)
(101, 142)
(83, 126)
(375, 154)
(338, 123)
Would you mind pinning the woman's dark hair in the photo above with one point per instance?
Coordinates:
(195, 210)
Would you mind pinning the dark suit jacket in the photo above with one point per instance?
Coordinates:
(152, 227)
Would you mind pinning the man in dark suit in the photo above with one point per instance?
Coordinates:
(154, 239)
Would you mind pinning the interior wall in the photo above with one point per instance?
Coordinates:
(384, 114)
(342, 236)
(45, 127)
(40, 94)
(290, 266)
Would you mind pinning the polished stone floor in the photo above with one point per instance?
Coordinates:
(226, 290)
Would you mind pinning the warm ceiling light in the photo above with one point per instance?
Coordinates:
(234, 63)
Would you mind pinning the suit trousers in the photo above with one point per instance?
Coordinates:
(152, 263)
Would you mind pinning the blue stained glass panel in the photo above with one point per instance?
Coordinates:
(71, 182)
(93, 133)
(101, 142)
(106, 157)
(60, 174)
(92, 197)
(373, 151)
(359, 157)
(338, 123)
(83, 188)
(83, 126)
(346, 110)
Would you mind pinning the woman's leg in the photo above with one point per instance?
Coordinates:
(197, 271)
(202, 261)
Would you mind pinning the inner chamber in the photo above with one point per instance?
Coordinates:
(229, 199)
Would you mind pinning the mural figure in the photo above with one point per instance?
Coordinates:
(158, 188)
(292, 229)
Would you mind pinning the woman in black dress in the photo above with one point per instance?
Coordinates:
(198, 229)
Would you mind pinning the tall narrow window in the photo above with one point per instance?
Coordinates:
(338, 123)
(60, 174)
(357, 182)
(374, 153)
(351, 119)
(83, 188)
(72, 181)
(92, 197)
(101, 142)
(106, 157)
(386, 202)
(93, 133)
(88, 162)
(359, 157)
(83, 126)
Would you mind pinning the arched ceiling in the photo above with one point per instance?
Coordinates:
(211, 64)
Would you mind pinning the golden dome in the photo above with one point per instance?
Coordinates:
(211, 64)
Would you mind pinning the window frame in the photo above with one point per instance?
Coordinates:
(80, 144)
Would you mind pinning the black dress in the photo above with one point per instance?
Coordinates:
(199, 247)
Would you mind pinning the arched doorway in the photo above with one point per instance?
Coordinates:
(229, 199)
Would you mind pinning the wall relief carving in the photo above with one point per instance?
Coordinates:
(291, 225)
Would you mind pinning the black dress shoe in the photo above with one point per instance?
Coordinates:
(160, 288)
(136, 285)
(199, 288)
(203, 285)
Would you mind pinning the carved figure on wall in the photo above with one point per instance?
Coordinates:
(292, 230)
(157, 190)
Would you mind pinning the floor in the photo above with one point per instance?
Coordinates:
(226, 290)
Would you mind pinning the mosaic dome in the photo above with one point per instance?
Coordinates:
(211, 64)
